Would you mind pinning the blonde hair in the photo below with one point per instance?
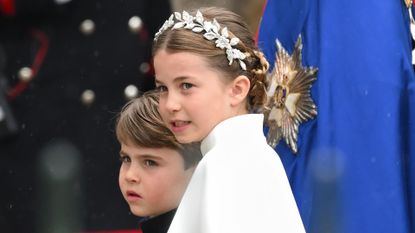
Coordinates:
(179, 40)
(140, 123)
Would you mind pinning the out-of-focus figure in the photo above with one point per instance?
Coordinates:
(66, 68)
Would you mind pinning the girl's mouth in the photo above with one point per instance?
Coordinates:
(180, 123)
(179, 126)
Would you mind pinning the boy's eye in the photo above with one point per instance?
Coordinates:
(187, 86)
(150, 163)
(125, 159)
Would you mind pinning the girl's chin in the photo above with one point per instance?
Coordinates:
(184, 140)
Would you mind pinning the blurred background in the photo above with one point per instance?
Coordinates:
(250, 10)
(66, 69)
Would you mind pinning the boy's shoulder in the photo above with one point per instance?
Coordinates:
(157, 224)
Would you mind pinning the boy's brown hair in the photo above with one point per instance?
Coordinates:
(140, 123)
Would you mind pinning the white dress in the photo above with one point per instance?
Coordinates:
(239, 186)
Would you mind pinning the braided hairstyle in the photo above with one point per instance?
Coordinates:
(256, 64)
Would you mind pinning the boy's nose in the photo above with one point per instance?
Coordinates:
(132, 175)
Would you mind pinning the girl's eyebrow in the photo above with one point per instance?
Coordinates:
(158, 82)
(175, 80)
(181, 78)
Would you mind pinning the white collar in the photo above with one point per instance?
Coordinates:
(246, 127)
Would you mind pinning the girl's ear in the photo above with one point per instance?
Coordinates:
(239, 90)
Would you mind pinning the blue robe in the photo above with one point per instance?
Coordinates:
(355, 170)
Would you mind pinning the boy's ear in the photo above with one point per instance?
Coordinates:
(239, 89)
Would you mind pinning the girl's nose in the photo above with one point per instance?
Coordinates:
(171, 103)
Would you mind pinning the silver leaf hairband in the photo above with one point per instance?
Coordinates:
(199, 24)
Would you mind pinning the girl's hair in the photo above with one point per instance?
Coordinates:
(140, 123)
(184, 40)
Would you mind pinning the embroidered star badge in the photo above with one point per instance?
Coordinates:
(289, 101)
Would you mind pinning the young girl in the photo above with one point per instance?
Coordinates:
(210, 76)
(155, 168)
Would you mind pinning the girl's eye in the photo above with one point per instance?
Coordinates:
(161, 89)
(125, 159)
(187, 86)
(150, 163)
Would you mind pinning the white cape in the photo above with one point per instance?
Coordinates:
(239, 186)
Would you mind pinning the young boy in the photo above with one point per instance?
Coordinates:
(155, 168)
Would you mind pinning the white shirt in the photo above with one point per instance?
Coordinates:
(239, 186)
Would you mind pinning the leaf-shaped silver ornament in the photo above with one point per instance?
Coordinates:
(197, 29)
(178, 16)
(197, 24)
(199, 17)
(209, 35)
(178, 25)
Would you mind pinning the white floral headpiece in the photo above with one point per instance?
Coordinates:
(199, 24)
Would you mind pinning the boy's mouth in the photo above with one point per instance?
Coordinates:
(131, 196)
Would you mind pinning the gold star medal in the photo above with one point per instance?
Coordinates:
(289, 101)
